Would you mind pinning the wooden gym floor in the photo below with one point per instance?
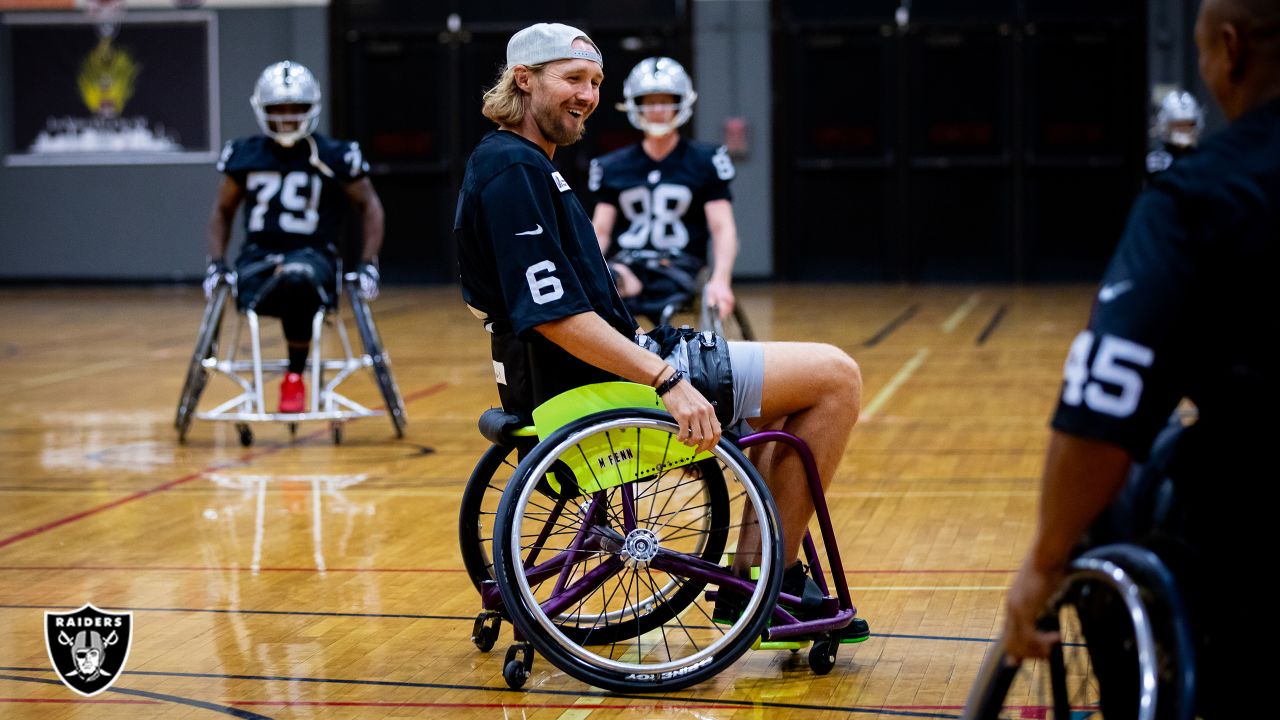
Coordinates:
(296, 579)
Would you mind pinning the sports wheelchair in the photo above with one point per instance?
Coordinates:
(1126, 647)
(678, 291)
(325, 402)
(610, 544)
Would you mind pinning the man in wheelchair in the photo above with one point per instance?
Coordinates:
(299, 184)
(531, 270)
(1186, 309)
(673, 194)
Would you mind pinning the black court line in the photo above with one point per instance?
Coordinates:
(233, 712)
(409, 616)
(894, 324)
(991, 326)
(526, 691)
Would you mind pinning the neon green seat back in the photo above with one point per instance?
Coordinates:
(612, 458)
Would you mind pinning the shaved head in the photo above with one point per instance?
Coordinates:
(1239, 42)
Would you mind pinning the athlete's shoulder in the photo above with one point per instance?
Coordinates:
(500, 151)
(345, 157)
(624, 155)
(246, 153)
(711, 158)
(607, 169)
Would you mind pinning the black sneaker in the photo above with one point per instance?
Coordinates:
(728, 608)
(796, 581)
(856, 631)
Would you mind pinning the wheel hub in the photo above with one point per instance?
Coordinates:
(639, 548)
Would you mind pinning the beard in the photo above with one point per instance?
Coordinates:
(551, 123)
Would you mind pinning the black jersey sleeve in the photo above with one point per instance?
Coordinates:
(1124, 374)
(601, 191)
(539, 283)
(719, 172)
(237, 158)
(344, 158)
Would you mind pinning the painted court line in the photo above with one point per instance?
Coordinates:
(908, 368)
(894, 324)
(242, 460)
(894, 710)
(961, 313)
(76, 372)
(311, 569)
(992, 325)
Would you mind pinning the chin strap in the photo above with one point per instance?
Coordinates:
(315, 160)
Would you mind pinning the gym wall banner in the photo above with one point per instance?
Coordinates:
(128, 88)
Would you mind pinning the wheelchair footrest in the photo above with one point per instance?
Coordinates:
(761, 644)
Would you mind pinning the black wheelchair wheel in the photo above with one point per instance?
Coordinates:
(649, 564)
(1126, 651)
(477, 518)
(479, 508)
(206, 347)
(381, 360)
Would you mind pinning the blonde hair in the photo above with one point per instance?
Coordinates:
(504, 102)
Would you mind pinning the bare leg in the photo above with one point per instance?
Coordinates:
(814, 392)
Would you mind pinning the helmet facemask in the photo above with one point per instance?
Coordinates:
(286, 102)
(1180, 120)
(679, 114)
(657, 76)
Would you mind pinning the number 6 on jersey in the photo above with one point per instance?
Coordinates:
(544, 289)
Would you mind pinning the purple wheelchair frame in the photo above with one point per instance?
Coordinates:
(835, 613)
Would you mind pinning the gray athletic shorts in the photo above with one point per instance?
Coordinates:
(747, 361)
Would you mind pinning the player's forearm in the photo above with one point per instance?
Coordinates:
(374, 225)
(219, 234)
(724, 239)
(589, 338)
(1081, 477)
(725, 250)
(602, 221)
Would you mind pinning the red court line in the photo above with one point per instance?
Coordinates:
(203, 568)
(193, 568)
(529, 706)
(244, 459)
(78, 700)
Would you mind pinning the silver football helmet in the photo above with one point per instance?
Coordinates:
(658, 75)
(1180, 119)
(286, 83)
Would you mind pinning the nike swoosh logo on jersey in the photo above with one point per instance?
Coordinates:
(536, 231)
(1107, 293)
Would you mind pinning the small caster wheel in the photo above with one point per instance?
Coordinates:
(485, 631)
(822, 656)
(515, 674)
(246, 435)
(518, 663)
(337, 433)
(293, 431)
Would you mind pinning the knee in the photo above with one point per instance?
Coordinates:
(844, 377)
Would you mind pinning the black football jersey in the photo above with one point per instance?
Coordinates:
(294, 196)
(662, 203)
(1187, 306)
(527, 255)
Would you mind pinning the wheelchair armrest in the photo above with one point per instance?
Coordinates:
(497, 426)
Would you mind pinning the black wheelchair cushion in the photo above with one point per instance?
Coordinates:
(496, 424)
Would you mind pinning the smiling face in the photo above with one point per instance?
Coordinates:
(562, 97)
